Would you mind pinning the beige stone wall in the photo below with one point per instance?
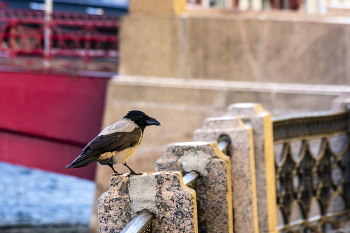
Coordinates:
(156, 52)
(256, 48)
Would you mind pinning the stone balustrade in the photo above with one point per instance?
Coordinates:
(237, 191)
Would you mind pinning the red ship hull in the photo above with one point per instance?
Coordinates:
(46, 119)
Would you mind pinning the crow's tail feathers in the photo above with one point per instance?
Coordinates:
(83, 160)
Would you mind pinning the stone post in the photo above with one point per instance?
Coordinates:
(245, 215)
(310, 6)
(205, 4)
(322, 6)
(163, 194)
(260, 120)
(243, 5)
(214, 195)
(157, 7)
(341, 103)
(257, 5)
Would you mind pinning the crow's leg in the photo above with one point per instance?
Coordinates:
(131, 170)
(115, 172)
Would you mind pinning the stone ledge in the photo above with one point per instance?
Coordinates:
(231, 85)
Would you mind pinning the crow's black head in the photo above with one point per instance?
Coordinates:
(141, 119)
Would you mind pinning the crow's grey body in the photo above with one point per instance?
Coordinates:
(124, 125)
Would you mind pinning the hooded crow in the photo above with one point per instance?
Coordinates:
(116, 143)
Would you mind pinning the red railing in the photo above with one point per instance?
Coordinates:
(74, 35)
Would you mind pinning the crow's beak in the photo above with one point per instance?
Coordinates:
(152, 121)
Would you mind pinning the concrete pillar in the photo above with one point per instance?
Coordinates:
(322, 6)
(214, 195)
(163, 194)
(243, 5)
(228, 4)
(257, 5)
(259, 119)
(242, 168)
(157, 7)
(205, 4)
(311, 6)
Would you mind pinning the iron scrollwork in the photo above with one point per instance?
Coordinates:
(312, 162)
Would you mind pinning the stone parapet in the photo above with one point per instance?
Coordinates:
(241, 152)
(260, 120)
(214, 195)
(163, 194)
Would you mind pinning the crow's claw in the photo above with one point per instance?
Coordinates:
(135, 173)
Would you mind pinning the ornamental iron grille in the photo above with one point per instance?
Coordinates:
(312, 165)
(72, 34)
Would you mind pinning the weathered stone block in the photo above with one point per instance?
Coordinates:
(242, 168)
(162, 57)
(163, 194)
(260, 120)
(292, 48)
(214, 193)
(114, 210)
(213, 51)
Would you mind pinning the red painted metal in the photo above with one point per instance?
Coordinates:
(80, 35)
(43, 154)
(46, 119)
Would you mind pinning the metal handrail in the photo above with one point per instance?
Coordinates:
(190, 179)
(140, 224)
(224, 142)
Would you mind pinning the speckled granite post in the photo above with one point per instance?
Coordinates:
(242, 168)
(163, 193)
(214, 193)
(260, 120)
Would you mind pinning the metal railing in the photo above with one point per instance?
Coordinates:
(312, 162)
(80, 35)
(143, 222)
(140, 224)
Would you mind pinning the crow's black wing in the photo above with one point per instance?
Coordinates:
(117, 141)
